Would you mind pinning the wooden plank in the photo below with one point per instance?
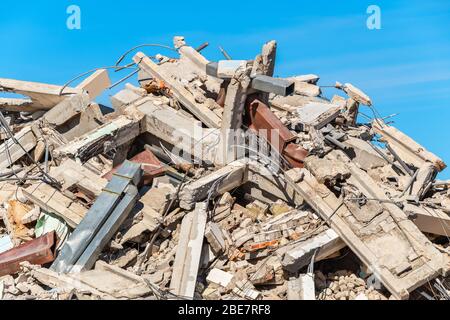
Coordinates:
(202, 112)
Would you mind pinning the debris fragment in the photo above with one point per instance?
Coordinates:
(216, 181)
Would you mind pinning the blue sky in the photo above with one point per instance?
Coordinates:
(404, 67)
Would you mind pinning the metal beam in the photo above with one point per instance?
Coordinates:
(107, 231)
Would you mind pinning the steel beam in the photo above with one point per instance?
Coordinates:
(107, 231)
(129, 173)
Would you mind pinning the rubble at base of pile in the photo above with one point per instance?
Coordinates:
(154, 199)
(345, 285)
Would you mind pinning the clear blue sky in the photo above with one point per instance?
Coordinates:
(404, 67)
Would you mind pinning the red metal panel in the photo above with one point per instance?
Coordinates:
(37, 252)
(260, 117)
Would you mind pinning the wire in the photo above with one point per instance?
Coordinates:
(92, 71)
(143, 45)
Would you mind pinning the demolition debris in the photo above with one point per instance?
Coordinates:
(215, 181)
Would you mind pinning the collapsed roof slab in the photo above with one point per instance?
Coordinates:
(391, 245)
(101, 140)
(44, 96)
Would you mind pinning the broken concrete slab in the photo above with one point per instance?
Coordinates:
(101, 140)
(317, 115)
(67, 109)
(184, 133)
(96, 83)
(78, 178)
(356, 94)
(302, 288)
(400, 284)
(53, 201)
(422, 184)
(299, 255)
(187, 259)
(232, 117)
(114, 281)
(43, 95)
(124, 98)
(308, 78)
(87, 120)
(216, 238)
(219, 182)
(409, 150)
(64, 282)
(428, 219)
(202, 112)
(364, 154)
(10, 151)
(219, 277)
(18, 105)
(306, 88)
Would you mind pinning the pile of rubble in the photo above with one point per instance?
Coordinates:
(214, 180)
